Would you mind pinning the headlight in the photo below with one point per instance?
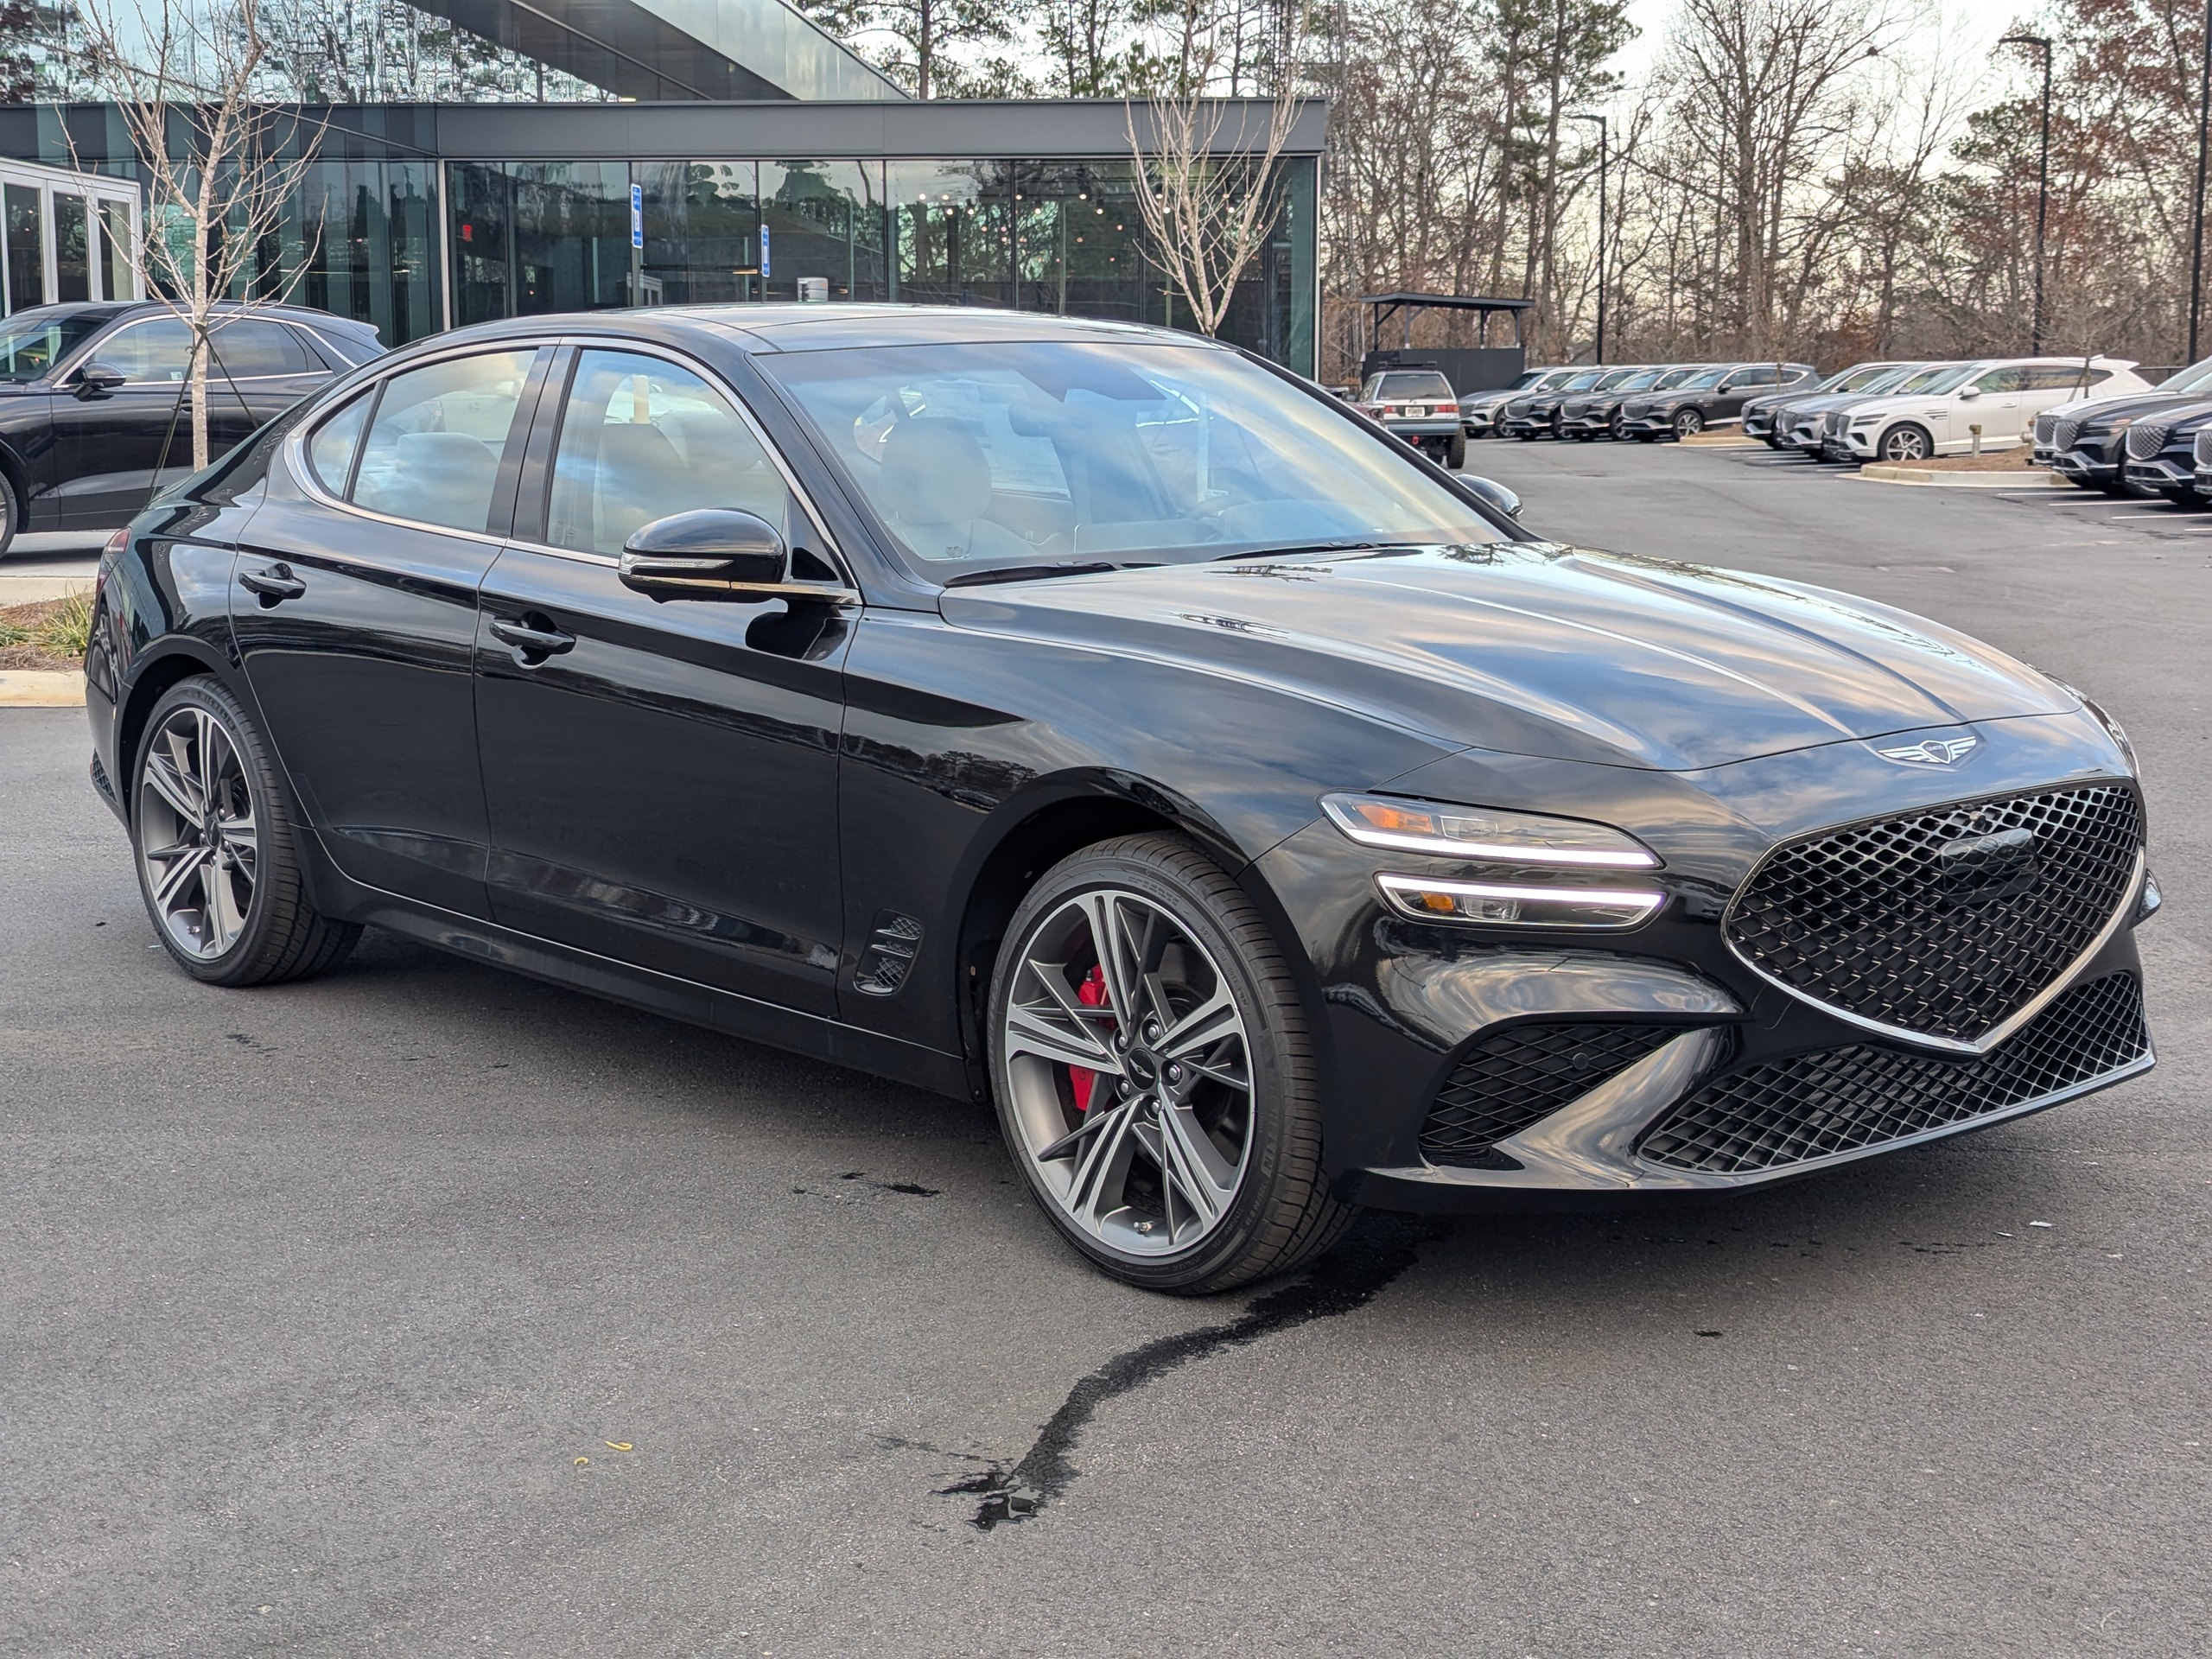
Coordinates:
(1485, 835)
(2114, 729)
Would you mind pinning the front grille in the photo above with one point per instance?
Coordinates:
(2046, 425)
(2144, 440)
(1834, 424)
(1518, 1075)
(2065, 434)
(1815, 1105)
(1948, 921)
(2203, 451)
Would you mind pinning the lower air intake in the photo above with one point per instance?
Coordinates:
(1521, 1075)
(1835, 1100)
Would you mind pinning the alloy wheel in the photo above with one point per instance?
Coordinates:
(1904, 443)
(197, 832)
(1688, 423)
(1129, 1073)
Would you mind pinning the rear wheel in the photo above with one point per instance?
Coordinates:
(1688, 423)
(1154, 1074)
(1455, 451)
(11, 514)
(217, 850)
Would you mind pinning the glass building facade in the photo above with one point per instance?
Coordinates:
(396, 223)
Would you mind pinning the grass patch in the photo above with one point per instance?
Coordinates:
(49, 634)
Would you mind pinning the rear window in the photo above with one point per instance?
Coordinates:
(1399, 388)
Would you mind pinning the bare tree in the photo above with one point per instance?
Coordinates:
(214, 162)
(1207, 181)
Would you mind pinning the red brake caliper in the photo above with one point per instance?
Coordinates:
(1092, 993)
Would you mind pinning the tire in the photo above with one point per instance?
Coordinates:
(1688, 423)
(1455, 451)
(11, 514)
(1907, 441)
(1232, 1106)
(253, 926)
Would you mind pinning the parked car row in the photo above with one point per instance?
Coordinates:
(1914, 412)
(1647, 401)
(2140, 443)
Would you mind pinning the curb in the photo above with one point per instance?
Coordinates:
(1928, 477)
(1720, 441)
(25, 687)
(29, 590)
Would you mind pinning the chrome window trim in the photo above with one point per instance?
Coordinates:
(295, 459)
(2064, 980)
(88, 353)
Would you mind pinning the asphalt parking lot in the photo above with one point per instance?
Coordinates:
(424, 1310)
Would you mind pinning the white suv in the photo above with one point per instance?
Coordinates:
(2000, 396)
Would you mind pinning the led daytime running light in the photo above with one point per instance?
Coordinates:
(1507, 905)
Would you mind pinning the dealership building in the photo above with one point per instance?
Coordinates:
(743, 156)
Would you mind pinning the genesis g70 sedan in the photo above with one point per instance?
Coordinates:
(1095, 721)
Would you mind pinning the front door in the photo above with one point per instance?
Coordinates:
(113, 449)
(1996, 411)
(354, 606)
(662, 776)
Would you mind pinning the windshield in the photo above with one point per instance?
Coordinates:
(1581, 382)
(1522, 382)
(1641, 381)
(2197, 378)
(1616, 379)
(1856, 378)
(1702, 378)
(1397, 388)
(1942, 377)
(1891, 380)
(1556, 379)
(31, 342)
(1024, 452)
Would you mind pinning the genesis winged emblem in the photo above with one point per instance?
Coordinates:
(1933, 751)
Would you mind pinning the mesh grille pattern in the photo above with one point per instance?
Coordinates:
(1833, 425)
(2063, 433)
(1513, 1079)
(1948, 921)
(1841, 1099)
(2204, 446)
(2046, 425)
(2144, 440)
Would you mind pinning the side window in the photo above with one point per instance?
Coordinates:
(331, 450)
(2001, 380)
(433, 450)
(2058, 377)
(159, 349)
(641, 439)
(254, 349)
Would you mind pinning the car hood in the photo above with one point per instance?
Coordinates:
(2121, 410)
(1534, 648)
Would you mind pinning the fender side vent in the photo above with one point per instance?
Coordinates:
(1515, 1078)
(892, 947)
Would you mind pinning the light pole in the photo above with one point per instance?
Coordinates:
(2043, 181)
(2197, 222)
(1600, 120)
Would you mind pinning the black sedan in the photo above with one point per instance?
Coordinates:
(1712, 397)
(1098, 722)
(95, 400)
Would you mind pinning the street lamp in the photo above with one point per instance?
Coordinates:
(2043, 180)
(1600, 120)
(2197, 223)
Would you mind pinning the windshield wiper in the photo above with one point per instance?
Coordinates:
(1036, 572)
(1303, 547)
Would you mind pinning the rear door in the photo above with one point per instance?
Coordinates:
(662, 776)
(354, 609)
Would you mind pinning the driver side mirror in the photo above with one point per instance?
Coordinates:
(1967, 394)
(97, 380)
(1492, 494)
(708, 553)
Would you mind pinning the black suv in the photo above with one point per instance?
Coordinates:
(1712, 398)
(96, 413)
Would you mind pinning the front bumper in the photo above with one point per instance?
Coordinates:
(1657, 425)
(2163, 473)
(2086, 465)
(1411, 1011)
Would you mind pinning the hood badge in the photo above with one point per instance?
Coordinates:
(1933, 751)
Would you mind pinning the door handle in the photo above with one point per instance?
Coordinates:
(529, 641)
(275, 585)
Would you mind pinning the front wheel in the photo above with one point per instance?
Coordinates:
(1154, 1073)
(1905, 442)
(1688, 423)
(217, 853)
(11, 514)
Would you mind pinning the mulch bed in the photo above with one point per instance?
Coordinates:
(31, 656)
